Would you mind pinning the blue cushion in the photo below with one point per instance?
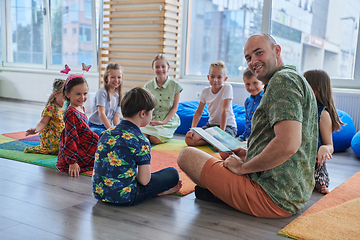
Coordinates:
(186, 111)
(240, 117)
(342, 138)
(355, 144)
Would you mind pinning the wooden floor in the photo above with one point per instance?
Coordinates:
(42, 203)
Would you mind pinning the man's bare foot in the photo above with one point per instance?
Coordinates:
(172, 190)
(323, 189)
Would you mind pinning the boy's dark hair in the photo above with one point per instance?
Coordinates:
(136, 100)
(72, 83)
(247, 74)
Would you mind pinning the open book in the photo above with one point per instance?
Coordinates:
(219, 138)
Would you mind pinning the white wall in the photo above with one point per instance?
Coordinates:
(32, 85)
(192, 89)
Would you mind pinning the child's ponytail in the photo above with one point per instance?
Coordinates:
(58, 86)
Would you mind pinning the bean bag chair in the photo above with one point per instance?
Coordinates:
(240, 117)
(186, 111)
(342, 138)
(355, 144)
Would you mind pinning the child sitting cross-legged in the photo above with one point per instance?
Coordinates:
(219, 97)
(122, 173)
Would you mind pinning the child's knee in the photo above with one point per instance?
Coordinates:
(154, 140)
(173, 176)
(189, 141)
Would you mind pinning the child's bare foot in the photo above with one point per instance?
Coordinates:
(323, 189)
(224, 155)
(172, 190)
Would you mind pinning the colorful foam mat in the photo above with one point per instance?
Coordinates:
(163, 155)
(334, 216)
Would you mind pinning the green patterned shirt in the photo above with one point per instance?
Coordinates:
(287, 96)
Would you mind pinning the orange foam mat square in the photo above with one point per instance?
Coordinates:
(334, 216)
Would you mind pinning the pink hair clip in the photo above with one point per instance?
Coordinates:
(72, 76)
(66, 70)
(85, 67)
(75, 75)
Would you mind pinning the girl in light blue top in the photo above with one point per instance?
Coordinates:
(106, 111)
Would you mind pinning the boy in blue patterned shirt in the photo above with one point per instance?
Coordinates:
(122, 173)
(256, 88)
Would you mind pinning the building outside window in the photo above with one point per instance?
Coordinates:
(312, 34)
(26, 35)
(45, 34)
(48, 33)
(0, 31)
(218, 31)
(320, 35)
(74, 13)
(85, 33)
(81, 40)
(88, 9)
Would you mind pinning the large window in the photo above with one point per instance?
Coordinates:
(0, 30)
(317, 34)
(25, 40)
(75, 35)
(312, 34)
(217, 30)
(48, 33)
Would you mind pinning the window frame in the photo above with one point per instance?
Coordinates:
(352, 82)
(265, 28)
(47, 51)
(3, 36)
(5, 46)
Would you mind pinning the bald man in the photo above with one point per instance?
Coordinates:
(274, 177)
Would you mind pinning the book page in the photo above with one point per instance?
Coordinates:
(225, 138)
(210, 139)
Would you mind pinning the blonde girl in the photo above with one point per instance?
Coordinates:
(106, 112)
(51, 123)
(77, 143)
(328, 121)
(167, 94)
